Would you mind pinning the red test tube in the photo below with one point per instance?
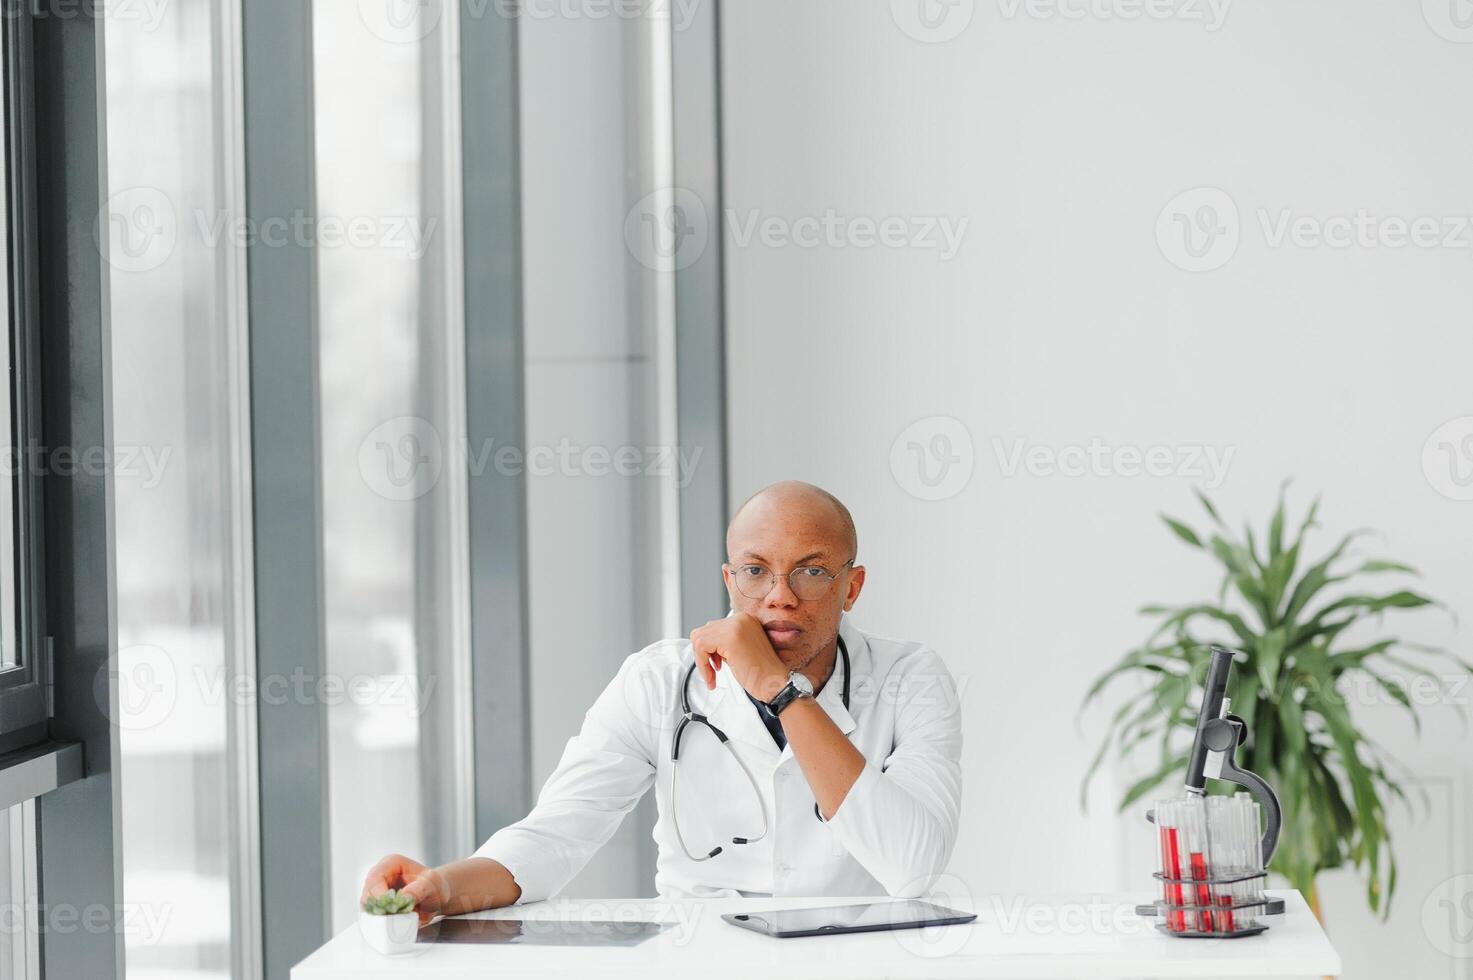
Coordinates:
(1166, 817)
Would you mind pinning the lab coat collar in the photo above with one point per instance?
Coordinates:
(731, 711)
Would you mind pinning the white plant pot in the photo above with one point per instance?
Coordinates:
(389, 934)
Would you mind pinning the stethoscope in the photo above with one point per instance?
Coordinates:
(689, 717)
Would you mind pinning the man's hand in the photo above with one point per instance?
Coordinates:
(426, 885)
(739, 641)
(452, 889)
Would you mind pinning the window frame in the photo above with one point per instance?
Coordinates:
(24, 688)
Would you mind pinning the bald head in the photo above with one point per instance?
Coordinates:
(793, 502)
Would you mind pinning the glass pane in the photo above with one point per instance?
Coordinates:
(383, 456)
(9, 471)
(171, 427)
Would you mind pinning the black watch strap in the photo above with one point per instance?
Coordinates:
(785, 697)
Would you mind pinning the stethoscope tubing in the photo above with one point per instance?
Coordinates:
(690, 717)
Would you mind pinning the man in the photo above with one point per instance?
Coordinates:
(802, 796)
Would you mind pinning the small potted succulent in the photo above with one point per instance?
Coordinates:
(389, 922)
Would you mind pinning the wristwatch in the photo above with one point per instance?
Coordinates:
(798, 686)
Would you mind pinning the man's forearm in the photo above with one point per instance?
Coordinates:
(829, 761)
(476, 883)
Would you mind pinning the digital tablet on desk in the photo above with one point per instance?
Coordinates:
(540, 932)
(837, 919)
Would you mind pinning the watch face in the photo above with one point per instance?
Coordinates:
(802, 683)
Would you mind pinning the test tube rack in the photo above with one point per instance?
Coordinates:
(1213, 914)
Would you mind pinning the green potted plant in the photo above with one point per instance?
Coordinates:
(389, 922)
(1307, 630)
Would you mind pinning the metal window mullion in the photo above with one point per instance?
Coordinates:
(285, 474)
(445, 590)
(700, 368)
(495, 410)
(241, 745)
(78, 826)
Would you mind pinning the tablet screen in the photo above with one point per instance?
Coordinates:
(539, 932)
(850, 918)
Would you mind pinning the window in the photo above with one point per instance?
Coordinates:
(392, 532)
(178, 487)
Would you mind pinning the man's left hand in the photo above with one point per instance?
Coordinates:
(739, 641)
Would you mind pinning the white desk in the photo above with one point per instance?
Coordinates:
(1070, 936)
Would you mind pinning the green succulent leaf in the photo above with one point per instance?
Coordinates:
(389, 903)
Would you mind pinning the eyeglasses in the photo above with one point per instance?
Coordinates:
(806, 581)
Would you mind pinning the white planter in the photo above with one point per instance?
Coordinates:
(389, 934)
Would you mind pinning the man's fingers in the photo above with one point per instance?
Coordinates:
(425, 890)
(390, 873)
(703, 663)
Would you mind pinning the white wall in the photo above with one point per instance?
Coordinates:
(1061, 320)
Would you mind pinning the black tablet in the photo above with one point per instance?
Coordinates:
(837, 919)
(539, 932)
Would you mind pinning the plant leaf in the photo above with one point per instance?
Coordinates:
(1183, 532)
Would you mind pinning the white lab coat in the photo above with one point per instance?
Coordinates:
(893, 833)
